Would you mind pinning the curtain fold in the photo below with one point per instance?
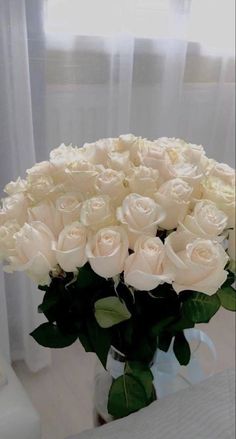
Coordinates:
(18, 296)
(57, 87)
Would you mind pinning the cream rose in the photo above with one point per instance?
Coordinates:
(206, 220)
(69, 206)
(47, 213)
(65, 154)
(170, 142)
(144, 268)
(41, 168)
(143, 180)
(39, 187)
(223, 171)
(70, 248)
(152, 155)
(96, 212)
(174, 196)
(181, 160)
(14, 207)
(140, 216)
(47, 174)
(107, 251)
(82, 175)
(178, 151)
(15, 187)
(197, 264)
(97, 152)
(111, 182)
(188, 172)
(120, 161)
(134, 145)
(34, 252)
(222, 194)
(7, 239)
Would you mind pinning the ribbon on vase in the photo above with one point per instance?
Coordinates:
(169, 375)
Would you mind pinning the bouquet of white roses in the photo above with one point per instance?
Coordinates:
(132, 241)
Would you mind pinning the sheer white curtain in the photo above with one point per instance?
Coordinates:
(19, 114)
(57, 85)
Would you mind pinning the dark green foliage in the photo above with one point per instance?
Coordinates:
(102, 314)
(199, 307)
(132, 391)
(50, 336)
(181, 349)
(227, 296)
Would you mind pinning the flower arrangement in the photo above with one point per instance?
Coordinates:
(132, 242)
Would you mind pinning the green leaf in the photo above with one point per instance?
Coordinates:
(227, 298)
(110, 311)
(50, 336)
(87, 277)
(48, 302)
(143, 374)
(43, 287)
(127, 395)
(181, 349)
(164, 341)
(143, 347)
(181, 323)
(96, 339)
(161, 325)
(199, 307)
(229, 281)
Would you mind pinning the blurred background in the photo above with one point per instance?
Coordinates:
(75, 71)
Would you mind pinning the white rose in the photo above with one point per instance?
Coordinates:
(197, 155)
(143, 180)
(179, 151)
(15, 187)
(181, 160)
(223, 171)
(153, 156)
(65, 154)
(140, 216)
(41, 168)
(70, 249)
(97, 152)
(69, 206)
(144, 268)
(47, 213)
(111, 182)
(39, 187)
(132, 144)
(107, 251)
(34, 252)
(170, 142)
(120, 161)
(7, 239)
(48, 178)
(206, 220)
(96, 212)
(174, 158)
(197, 264)
(174, 197)
(83, 174)
(188, 172)
(14, 207)
(231, 245)
(222, 194)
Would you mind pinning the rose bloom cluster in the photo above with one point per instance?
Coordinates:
(156, 211)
